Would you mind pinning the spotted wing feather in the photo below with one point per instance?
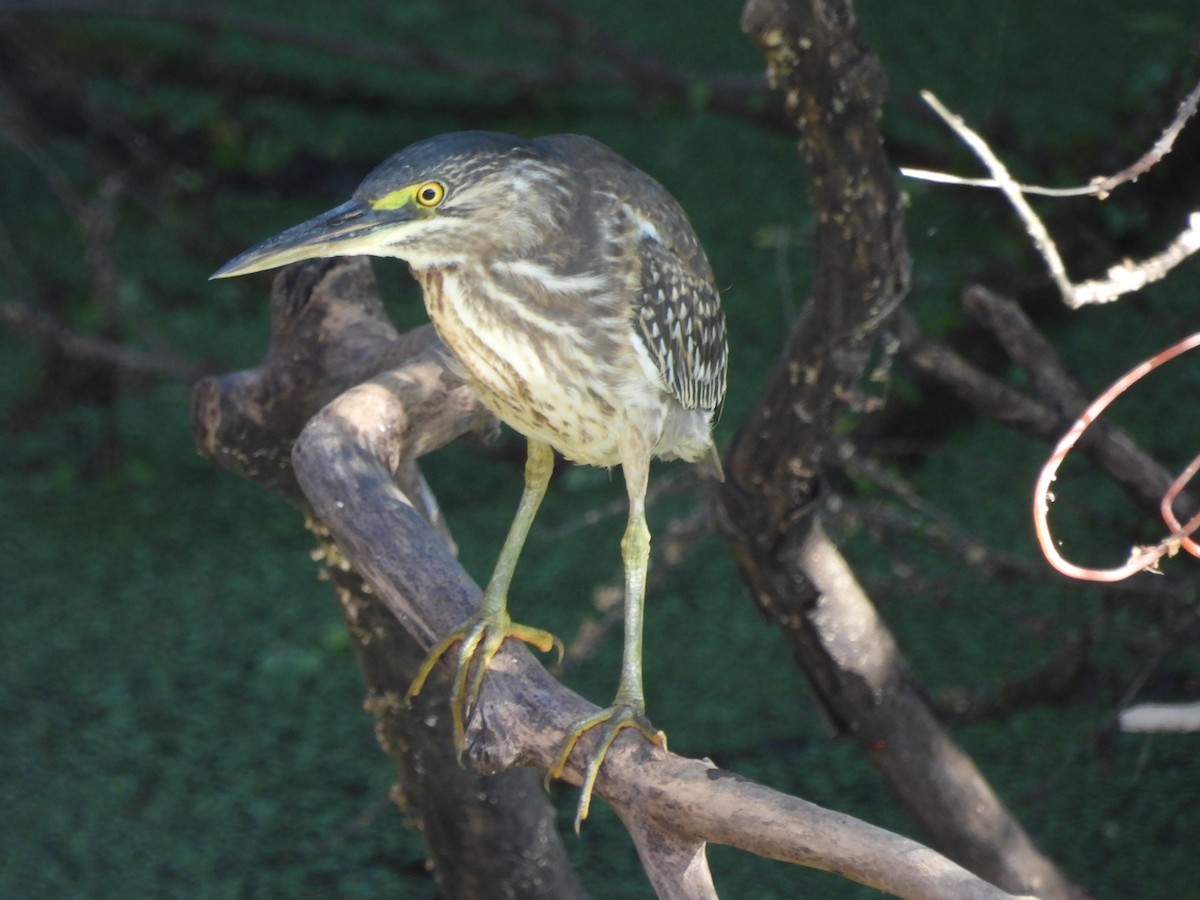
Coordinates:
(680, 321)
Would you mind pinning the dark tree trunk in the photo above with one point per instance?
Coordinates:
(833, 86)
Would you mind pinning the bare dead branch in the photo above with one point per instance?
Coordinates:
(1129, 276)
(1154, 155)
(992, 397)
(1121, 279)
(1011, 190)
(44, 328)
(833, 87)
(1100, 186)
(1161, 717)
(612, 62)
(936, 177)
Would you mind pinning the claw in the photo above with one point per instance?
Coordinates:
(613, 720)
(481, 637)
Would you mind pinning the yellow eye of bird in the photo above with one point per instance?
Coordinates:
(430, 194)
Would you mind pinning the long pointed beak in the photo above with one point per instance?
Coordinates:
(343, 231)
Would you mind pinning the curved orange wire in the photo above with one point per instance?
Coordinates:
(1140, 558)
(1168, 501)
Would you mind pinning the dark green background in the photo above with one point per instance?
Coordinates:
(179, 711)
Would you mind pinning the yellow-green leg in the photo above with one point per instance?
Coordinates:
(483, 633)
(628, 709)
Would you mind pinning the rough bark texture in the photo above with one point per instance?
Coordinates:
(352, 469)
(833, 87)
(486, 836)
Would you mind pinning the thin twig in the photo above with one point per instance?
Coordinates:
(1161, 148)
(1100, 186)
(1005, 182)
(1121, 279)
(1130, 276)
(1085, 190)
(43, 327)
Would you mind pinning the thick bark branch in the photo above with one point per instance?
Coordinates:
(672, 806)
(329, 332)
(833, 87)
(353, 464)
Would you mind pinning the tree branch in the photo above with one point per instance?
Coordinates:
(612, 62)
(352, 462)
(1121, 279)
(44, 328)
(1056, 398)
(833, 87)
(328, 332)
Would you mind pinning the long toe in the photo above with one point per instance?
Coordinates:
(611, 722)
(481, 637)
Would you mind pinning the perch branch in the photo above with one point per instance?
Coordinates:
(354, 472)
(329, 332)
(672, 806)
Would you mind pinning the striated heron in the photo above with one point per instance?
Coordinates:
(572, 291)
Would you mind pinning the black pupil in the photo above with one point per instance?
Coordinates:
(429, 194)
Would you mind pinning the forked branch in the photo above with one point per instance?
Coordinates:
(1122, 278)
(350, 462)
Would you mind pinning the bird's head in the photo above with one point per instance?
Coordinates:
(440, 202)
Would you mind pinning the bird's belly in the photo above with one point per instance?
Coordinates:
(569, 389)
(582, 432)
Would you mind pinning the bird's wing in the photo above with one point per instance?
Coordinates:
(680, 322)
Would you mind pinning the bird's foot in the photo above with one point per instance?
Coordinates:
(611, 721)
(481, 637)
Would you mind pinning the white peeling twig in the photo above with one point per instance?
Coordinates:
(1129, 276)
(1005, 182)
(1083, 190)
(1161, 717)
(1120, 279)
